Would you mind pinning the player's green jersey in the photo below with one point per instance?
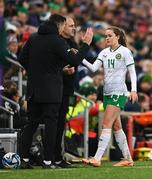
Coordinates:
(115, 63)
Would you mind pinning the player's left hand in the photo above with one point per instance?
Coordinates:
(133, 96)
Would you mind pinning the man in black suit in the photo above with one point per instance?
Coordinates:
(43, 56)
(68, 90)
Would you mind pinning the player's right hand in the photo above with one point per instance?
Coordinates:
(133, 96)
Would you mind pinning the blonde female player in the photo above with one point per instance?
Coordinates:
(116, 60)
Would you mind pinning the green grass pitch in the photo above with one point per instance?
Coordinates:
(141, 170)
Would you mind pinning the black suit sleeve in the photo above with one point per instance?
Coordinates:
(61, 48)
(24, 54)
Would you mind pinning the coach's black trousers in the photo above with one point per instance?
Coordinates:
(61, 126)
(38, 112)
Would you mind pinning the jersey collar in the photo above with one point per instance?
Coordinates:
(113, 50)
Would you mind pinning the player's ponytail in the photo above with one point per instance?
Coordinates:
(119, 32)
(122, 39)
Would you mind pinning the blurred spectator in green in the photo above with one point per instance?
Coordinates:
(89, 91)
(145, 84)
(57, 7)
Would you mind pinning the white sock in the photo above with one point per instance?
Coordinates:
(103, 143)
(47, 162)
(58, 162)
(26, 159)
(122, 143)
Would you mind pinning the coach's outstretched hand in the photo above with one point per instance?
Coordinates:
(87, 38)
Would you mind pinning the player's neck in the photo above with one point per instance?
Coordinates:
(115, 46)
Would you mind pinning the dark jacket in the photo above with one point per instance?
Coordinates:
(43, 56)
(69, 80)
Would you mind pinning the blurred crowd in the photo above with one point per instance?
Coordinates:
(20, 18)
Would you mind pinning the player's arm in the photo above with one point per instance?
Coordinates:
(131, 68)
(92, 67)
(96, 65)
(133, 77)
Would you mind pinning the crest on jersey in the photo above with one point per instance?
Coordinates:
(118, 56)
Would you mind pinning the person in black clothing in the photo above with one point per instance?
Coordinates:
(43, 57)
(68, 90)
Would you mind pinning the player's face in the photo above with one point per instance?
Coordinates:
(111, 38)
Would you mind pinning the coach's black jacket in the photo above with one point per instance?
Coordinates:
(69, 80)
(43, 56)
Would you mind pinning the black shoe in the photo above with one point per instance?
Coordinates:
(50, 166)
(26, 165)
(64, 164)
